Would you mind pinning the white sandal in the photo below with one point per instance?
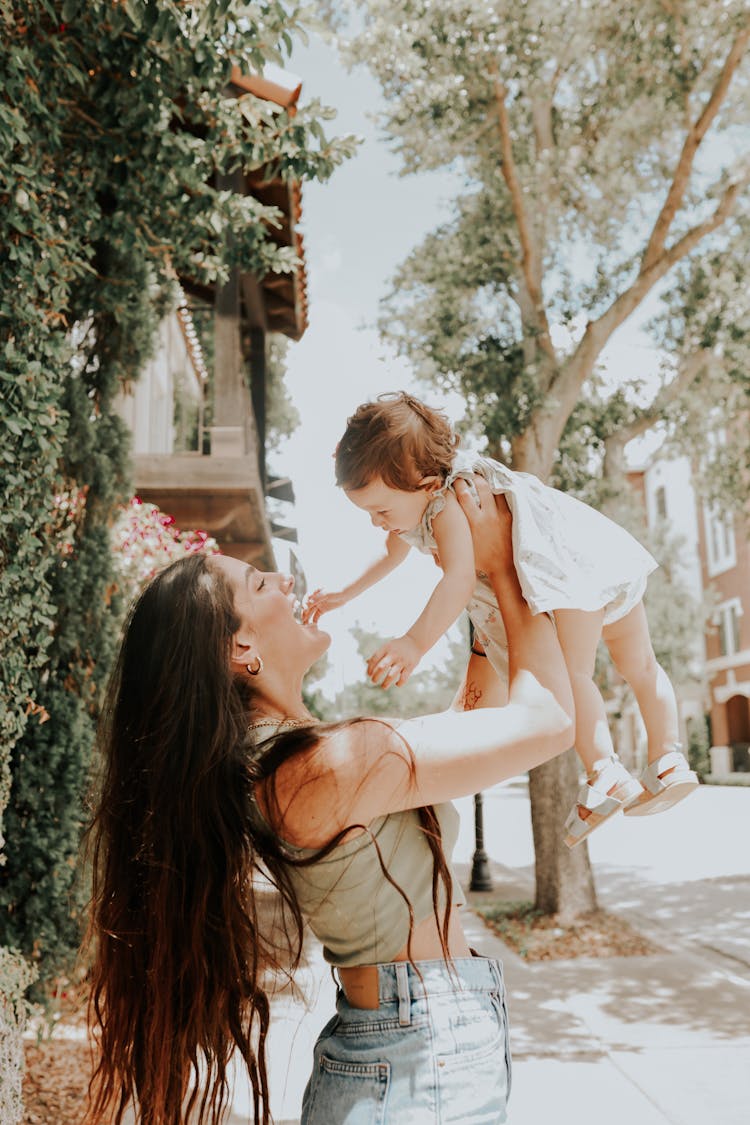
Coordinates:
(594, 795)
(665, 782)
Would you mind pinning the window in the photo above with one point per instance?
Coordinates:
(720, 545)
(728, 620)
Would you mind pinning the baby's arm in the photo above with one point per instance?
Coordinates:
(320, 602)
(394, 662)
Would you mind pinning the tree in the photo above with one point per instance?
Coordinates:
(282, 416)
(604, 157)
(116, 125)
(427, 692)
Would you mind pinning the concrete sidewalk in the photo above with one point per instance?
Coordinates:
(657, 1040)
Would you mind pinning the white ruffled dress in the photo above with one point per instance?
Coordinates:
(567, 555)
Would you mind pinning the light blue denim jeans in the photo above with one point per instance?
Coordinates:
(434, 1052)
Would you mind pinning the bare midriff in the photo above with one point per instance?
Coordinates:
(360, 982)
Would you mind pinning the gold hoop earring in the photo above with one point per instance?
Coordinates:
(257, 669)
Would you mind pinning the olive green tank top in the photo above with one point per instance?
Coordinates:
(355, 912)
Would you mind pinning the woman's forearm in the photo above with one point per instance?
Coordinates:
(532, 641)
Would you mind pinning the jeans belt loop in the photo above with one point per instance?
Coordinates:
(404, 999)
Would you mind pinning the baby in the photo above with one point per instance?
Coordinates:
(397, 462)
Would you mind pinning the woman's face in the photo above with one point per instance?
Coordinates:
(265, 604)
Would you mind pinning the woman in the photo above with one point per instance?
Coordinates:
(216, 774)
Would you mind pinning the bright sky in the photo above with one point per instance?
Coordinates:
(357, 230)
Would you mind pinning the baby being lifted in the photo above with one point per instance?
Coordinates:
(397, 462)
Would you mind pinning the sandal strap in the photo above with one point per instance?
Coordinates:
(576, 825)
(596, 800)
(605, 773)
(673, 760)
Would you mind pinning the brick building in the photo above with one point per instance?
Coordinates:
(725, 562)
(715, 568)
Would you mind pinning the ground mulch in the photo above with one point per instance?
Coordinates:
(58, 1062)
(548, 937)
(55, 1082)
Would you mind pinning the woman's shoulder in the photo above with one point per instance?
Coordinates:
(337, 752)
(343, 745)
(320, 788)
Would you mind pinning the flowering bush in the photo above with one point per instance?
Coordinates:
(144, 540)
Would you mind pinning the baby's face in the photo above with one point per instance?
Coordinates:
(390, 508)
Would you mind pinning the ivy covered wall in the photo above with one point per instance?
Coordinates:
(114, 124)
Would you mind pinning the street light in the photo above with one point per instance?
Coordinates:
(481, 880)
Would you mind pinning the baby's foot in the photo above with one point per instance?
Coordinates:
(665, 781)
(607, 789)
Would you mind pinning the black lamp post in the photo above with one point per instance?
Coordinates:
(481, 880)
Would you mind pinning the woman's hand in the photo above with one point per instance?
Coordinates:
(490, 522)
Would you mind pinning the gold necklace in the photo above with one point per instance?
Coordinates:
(282, 722)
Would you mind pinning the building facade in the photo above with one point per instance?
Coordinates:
(714, 568)
(725, 562)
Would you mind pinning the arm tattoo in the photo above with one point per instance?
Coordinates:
(470, 696)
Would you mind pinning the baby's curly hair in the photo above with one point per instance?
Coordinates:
(396, 438)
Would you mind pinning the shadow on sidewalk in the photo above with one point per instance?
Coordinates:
(711, 913)
(678, 997)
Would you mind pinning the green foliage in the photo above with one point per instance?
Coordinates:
(115, 122)
(450, 313)
(31, 420)
(579, 460)
(282, 417)
(698, 747)
(425, 693)
(707, 314)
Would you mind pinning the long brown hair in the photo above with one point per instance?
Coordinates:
(181, 957)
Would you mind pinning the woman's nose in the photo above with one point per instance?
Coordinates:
(287, 583)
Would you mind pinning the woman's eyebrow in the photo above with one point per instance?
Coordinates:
(249, 572)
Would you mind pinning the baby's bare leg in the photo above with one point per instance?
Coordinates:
(579, 634)
(629, 644)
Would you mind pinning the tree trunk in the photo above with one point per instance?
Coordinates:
(564, 880)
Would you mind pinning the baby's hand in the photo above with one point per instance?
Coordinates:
(320, 602)
(394, 662)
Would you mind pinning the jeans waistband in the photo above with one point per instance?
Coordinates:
(399, 981)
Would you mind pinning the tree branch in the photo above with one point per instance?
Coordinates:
(531, 265)
(693, 236)
(692, 141)
(614, 446)
(654, 412)
(598, 332)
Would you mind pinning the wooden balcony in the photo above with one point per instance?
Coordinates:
(220, 495)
